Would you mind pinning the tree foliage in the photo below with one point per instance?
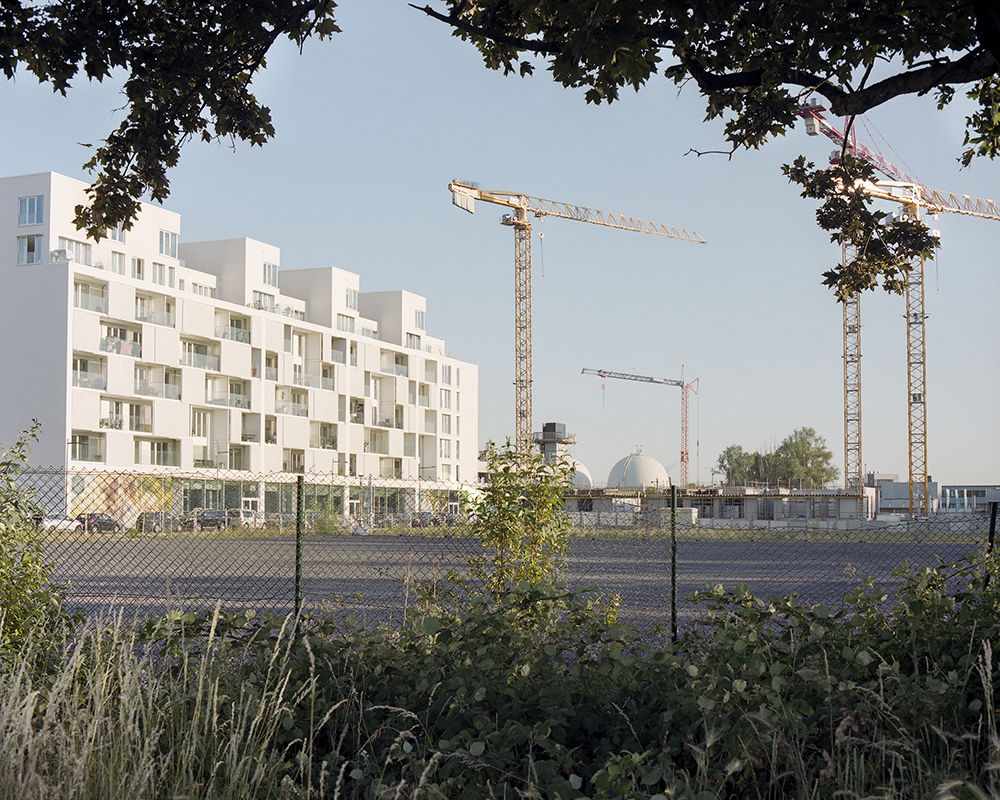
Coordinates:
(520, 519)
(187, 68)
(754, 63)
(802, 458)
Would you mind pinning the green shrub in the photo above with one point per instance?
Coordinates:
(29, 603)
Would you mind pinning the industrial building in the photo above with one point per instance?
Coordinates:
(145, 353)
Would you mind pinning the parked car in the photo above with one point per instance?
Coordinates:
(205, 519)
(245, 518)
(60, 522)
(99, 523)
(157, 522)
(447, 519)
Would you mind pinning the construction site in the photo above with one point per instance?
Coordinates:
(639, 491)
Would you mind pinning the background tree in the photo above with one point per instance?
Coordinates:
(802, 459)
(187, 67)
(754, 63)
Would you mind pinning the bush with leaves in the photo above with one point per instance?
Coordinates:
(29, 603)
(521, 519)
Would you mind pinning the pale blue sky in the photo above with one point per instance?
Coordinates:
(372, 126)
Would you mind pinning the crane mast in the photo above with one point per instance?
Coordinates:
(912, 196)
(686, 389)
(464, 195)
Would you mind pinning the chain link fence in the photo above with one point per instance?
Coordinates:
(147, 542)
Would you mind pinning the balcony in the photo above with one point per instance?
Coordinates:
(122, 347)
(89, 380)
(200, 361)
(87, 453)
(170, 391)
(91, 302)
(295, 409)
(323, 442)
(336, 357)
(315, 381)
(358, 417)
(158, 458)
(248, 437)
(231, 399)
(111, 423)
(165, 318)
(139, 426)
(234, 334)
(271, 373)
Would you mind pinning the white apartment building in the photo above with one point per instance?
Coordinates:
(141, 352)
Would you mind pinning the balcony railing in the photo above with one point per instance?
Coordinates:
(230, 399)
(91, 454)
(201, 361)
(235, 334)
(248, 437)
(430, 427)
(358, 417)
(158, 458)
(336, 356)
(112, 423)
(110, 344)
(271, 373)
(89, 380)
(155, 317)
(424, 401)
(323, 442)
(139, 426)
(91, 302)
(148, 388)
(430, 377)
(296, 409)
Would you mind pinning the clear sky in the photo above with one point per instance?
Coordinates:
(372, 126)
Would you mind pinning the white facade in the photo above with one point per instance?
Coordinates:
(142, 351)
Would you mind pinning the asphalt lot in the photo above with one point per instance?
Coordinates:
(376, 576)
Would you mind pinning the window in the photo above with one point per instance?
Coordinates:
(413, 341)
(419, 322)
(199, 423)
(446, 448)
(78, 251)
(31, 210)
(263, 301)
(445, 398)
(446, 374)
(29, 249)
(271, 274)
(158, 273)
(352, 299)
(345, 323)
(118, 263)
(117, 234)
(168, 244)
(445, 423)
(171, 272)
(204, 291)
(138, 269)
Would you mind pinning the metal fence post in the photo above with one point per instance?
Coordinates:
(673, 563)
(299, 527)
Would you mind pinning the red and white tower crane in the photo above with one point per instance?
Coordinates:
(686, 389)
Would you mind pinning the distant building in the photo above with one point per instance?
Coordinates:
(142, 351)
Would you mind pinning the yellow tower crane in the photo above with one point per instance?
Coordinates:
(464, 195)
(913, 197)
(686, 389)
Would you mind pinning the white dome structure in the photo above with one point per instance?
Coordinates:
(582, 478)
(638, 471)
